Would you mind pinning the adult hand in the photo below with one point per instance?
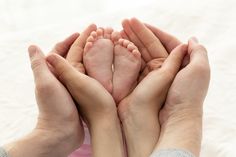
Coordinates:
(181, 116)
(59, 127)
(173, 116)
(95, 103)
(139, 111)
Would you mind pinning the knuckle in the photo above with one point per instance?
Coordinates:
(36, 63)
(44, 87)
(61, 74)
(200, 48)
(202, 69)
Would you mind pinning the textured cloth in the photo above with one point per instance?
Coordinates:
(172, 153)
(3, 153)
(85, 149)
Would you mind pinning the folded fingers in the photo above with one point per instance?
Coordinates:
(149, 40)
(75, 54)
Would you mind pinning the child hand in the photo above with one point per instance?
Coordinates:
(95, 103)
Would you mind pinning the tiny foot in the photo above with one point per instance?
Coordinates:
(127, 64)
(98, 57)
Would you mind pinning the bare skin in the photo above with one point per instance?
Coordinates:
(183, 109)
(133, 116)
(147, 93)
(59, 127)
(138, 111)
(96, 104)
(58, 118)
(180, 118)
(98, 57)
(127, 64)
(98, 110)
(172, 119)
(104, 49)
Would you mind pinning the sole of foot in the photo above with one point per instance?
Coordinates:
(127, 65)
(98, 57)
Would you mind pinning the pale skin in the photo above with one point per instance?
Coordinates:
(97, 62)
(181, 117)
(83, 88)
(58, 127)
(96, 104)
(137, 116)
(171, 65)
(183, 111)
(126, 56)
(72, 69)
(103, 123)
(153, 66)
(105, 48)
(145, 101)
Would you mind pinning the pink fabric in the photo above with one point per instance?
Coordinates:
(85, 149)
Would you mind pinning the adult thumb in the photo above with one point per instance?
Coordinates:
(198, 58)
(38, 64)
(197, 52)
(64, 71)
(173, 62)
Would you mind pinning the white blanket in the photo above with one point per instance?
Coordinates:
(44, 22)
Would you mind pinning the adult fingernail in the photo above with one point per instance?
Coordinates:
(32, 51)
(194, 39)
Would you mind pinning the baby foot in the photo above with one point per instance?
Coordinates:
(98, 57)
(140, 110)
(127, 64)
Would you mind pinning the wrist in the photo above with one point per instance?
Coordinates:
(39, 144)
(103, 117)
(106, 133)
(182, 130)
(105, 121)
(180, 112)
(186, 136)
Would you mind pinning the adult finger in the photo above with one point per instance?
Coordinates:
(149, 40)
(135, 39)
(75, 54)
(64, 71)
(198, 54)
(174, 61)
(124, 35)
(170, 42)
(62, 48)
(150, 66)
(39, 65)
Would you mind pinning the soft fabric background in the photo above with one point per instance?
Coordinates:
(44, 22)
